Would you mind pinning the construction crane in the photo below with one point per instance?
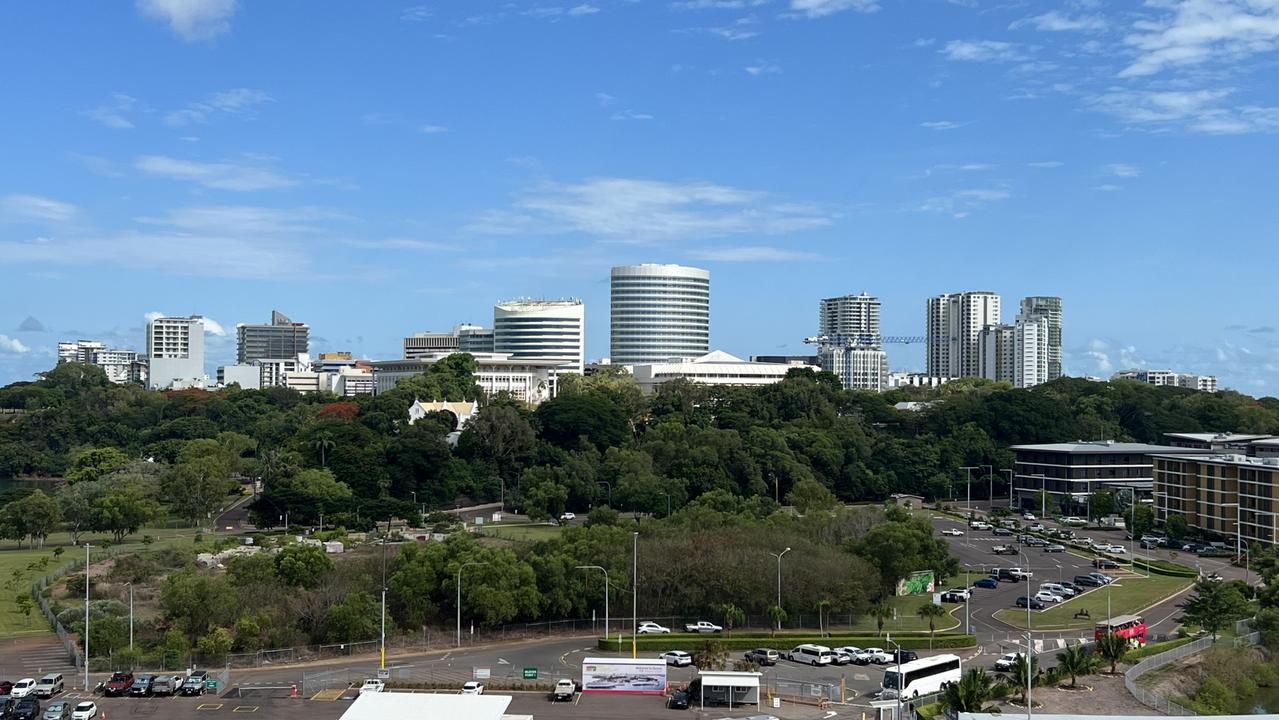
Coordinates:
(873, 340)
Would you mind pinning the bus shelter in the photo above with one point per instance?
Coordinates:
(727, 687)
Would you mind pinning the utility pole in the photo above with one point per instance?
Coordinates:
(86, 617)
(779, 577)
(382, 650)
(634, 592)
(459, 597)
(968, 504)
(130, 616)
(601, 569)
(1010, 486)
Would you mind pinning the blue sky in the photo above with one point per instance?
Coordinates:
(375, 169)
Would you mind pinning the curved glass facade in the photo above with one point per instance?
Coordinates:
(659, 312)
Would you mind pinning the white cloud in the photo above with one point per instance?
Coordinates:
(750, 253)
(961, 203)
(153, 316)
(416, 13)
(583, 9)
(1045, 164)
(114, 114)
(981, 51)
(240, 102)
(12, 345)
(1202, 110)
(1123, 170)
(1198, 31)
(822, 8)
(1109, 188)
(36, 208)
(942, 125)
(401, 244)
(630, 115)
(432, 129)
(716, 4)
(1054, 21)
(184, 254)
(635, 210)
(194, 20)
(763, 67)
(742, 29)
(213, 327)
(245, 220)
(235, 176)
(604, 99)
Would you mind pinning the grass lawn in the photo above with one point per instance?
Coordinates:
(1127, 596)
(523, 532)
(906, 617)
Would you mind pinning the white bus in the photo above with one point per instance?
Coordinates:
(920, 677)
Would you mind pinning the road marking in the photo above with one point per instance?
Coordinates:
(245, 708)
(209, 706)
(503, 661)
(831, 713)
(861, 676)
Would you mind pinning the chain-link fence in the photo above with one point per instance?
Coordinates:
(807, 691)
(1163, 704)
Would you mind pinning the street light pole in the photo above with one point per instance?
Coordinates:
(968, 503)
(130, 616)
(990, 475)
(86, 617)
(459, 596)
(779, 578)
(601, 569)
(1043, 495)
(1010, 486)
(634, 591)
(900, 689)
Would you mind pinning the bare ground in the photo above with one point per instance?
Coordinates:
(1096, 694)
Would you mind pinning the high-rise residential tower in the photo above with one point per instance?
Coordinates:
(1016, 353)
(955, 322)
(542, 329)
(851, 316)
(659, 312)
(281, 339)
(175, 349)
(1049, 308)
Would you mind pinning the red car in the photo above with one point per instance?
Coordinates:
(5, 687)
(119, 684)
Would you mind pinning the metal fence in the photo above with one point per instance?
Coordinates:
(37, 594)
(1163, 704)
(804, 690)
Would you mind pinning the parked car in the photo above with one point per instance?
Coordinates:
(1055, 547)
(904, 656)
(651, 628)
(1149, 544)
(1002, 531)
(1104, 564)
(989, 583)
(567, 517)
(677, 700)
(840, 658)
(119, 684)
(22, 688)
(1005, 575)
(195, 683)
(49, 685)
(1005, 663)
(877, 656)
(954, 532)
(141, 685)
(703, 626)
(1028, 516)
(372, 685)
(28, 708)
(978, 525)
(963, 592)
(87, 710)
(763, 656)
(1034, 603)
(1004, 549)
(1058, 589)
(851, 651)
(1117, 549)
(566, 689)
(677, 658)
(810, 654)
(472, 688)
(1087, 581)
(1072, 587)
(1048, 597)
(6, 707)
(60, 710)
(1102, 578)
(1037, 527)
(5, 687)
(1036, 542)
(1191, 547)
(1075, 521)
(166, 684)
(1021, 574)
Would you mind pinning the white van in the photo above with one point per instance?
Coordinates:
(49, 685)
(811, 655)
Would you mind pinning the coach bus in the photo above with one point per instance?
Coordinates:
(920, 677)
(1130, 627)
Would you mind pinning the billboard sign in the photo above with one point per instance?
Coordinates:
(638, 676)
(917, 583)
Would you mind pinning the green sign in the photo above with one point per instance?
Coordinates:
(211, 684)
(530, 673)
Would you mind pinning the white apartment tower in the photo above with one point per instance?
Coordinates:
(175, 347)
(542, 329)
(658, 312)
(1049, 308)
(1016, 353)
(955, 323)
(851, 316)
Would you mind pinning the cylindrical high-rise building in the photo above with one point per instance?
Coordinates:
(542, 329)
(659, 312)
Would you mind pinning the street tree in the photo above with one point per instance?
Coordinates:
(930, 612)
(975, 688)
(302, 566)
(1214, 605)
(1076, 660)
(1113, 647)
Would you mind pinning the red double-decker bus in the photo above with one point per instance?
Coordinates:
(1132, 627)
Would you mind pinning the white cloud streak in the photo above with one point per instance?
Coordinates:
(25, 208)
(1200, 31)
(981, 51)
(239, 177)
(1055, 21)
(238, 102)
(114, 114)
(192, 20)
(12, 345)
(750, 253)
(822, 8)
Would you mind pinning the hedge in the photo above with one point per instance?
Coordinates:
(1155, 648)
(1164, 567)
(690, 643)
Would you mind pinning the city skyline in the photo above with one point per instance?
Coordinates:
(390, 157)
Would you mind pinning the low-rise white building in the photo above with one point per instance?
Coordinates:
(914, 379)
(1203, 383)
(713, 368)
(248, 376)
(531, 380)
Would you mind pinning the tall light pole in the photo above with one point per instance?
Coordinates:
(779, 578)
(86, 617)
(634, 592)
(1010, 486)
(1043, 495)
(968, 504)
(990, 475)
(382, 645)
(459, 596)
(601, 569)
(1030, 643)
(900, 685)
(668, 504)
(130, 616)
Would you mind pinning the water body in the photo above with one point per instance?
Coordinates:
(1265, 702)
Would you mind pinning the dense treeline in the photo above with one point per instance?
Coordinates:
(600, 442)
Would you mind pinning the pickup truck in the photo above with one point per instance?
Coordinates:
(702, 626)
(119, 684)
(1004, 549)
(564, 690)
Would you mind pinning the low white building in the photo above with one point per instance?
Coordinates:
(531, 380)
(713, 368)
(1203, 383)
(464, 411)
(247, 376)
(914, 379)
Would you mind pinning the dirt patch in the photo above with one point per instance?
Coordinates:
(1107, 692)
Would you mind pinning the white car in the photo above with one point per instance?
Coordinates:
(1037, 527)
(954, 532)
(651, 628)
(1005, 663)
(1028, 516)
(961, 592)
(567, 516)
(1048, 597)
(373, 685)
(23, 688)
(876, 655)
(85, 711)
(1117, 549)
(677, 658)
(472, 688)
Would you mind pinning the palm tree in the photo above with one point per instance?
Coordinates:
(1076, 660)
(880, 612)
(1023, 673)
(973, 690)
(322, 444)
(777, 615)
(1113, 647)
(930, 612)
(732, 615)
(823, 605)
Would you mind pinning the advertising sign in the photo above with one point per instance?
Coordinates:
(641, 676)
(917, 583)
